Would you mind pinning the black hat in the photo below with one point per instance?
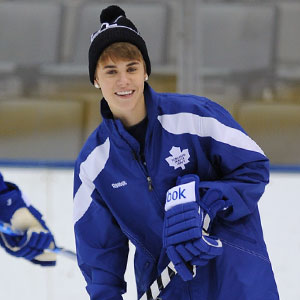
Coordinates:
(115, 27)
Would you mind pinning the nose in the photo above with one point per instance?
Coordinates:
(123, 78)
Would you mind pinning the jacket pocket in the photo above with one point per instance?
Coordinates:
(239, 231)
(244, 234)
(144, 271)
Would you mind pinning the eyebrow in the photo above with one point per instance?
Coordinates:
(132, 64)
(114, 66)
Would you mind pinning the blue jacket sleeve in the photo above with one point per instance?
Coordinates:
(3, 186)
(241, 168)
(102, 249)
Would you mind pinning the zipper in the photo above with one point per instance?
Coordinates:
(150, 183)
(138, 159)
(142, 166)
(144, 170)
(150, 186)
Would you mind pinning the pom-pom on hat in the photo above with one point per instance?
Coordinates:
(115, 27)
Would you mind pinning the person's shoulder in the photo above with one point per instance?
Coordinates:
(173, 103)
(96, 141)
(176, 103)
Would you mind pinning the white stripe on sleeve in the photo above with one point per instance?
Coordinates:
(207, 127)
(89, 170)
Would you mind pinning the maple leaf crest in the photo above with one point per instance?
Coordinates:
(179, 158)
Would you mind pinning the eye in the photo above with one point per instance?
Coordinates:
(111, 72)
(131, 69)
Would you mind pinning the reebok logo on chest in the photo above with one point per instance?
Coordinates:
(119, 184)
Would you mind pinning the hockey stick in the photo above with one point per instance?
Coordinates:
(160, 283)
(6, 228)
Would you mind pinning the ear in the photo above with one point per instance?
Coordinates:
(96, 84)
(146, 77)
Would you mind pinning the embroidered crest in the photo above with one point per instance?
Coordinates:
(179, 158)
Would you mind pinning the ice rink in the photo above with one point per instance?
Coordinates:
(50, 190)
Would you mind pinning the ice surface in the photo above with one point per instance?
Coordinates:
(50, 190)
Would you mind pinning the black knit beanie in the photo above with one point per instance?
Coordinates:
(115, 27)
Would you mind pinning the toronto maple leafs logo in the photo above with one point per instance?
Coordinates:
(178, 158)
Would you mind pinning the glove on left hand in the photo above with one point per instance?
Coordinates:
(25, 218)
(182, 235)
(200, 251)
(182, 223)
(185, 241)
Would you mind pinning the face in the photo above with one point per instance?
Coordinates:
(122, 86)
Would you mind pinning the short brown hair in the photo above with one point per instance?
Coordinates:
(121, 50)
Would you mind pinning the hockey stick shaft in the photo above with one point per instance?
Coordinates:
(7, 229)
(160, 283)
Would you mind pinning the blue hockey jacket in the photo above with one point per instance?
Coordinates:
(118, 198)
(3, 186)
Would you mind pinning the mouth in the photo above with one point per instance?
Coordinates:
(125, 94)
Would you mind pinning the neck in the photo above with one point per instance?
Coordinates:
(132, 118)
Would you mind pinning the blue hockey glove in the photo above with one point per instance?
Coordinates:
(182, 223)
(23, 217)
(200, 251)
(185, 270)
(183, 237)
(212, 203)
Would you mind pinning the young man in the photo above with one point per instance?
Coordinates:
(175, 175)
(22, 216)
